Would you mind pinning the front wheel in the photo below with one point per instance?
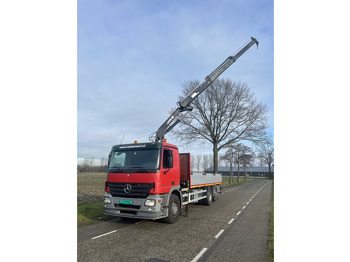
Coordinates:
(173, 210)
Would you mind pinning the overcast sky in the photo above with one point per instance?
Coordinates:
(133, 57)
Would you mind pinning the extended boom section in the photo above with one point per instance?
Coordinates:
(184, 104)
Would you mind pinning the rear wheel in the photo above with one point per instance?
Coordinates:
(207, 201)
(173, 210)
(215, 193)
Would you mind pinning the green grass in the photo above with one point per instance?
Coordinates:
(225, 181)
(270, 257)
(90, 198)
(90, 213)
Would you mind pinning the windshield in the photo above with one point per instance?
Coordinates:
(144, 160)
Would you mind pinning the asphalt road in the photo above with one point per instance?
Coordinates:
(234, 228)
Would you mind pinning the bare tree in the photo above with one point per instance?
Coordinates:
(196, 161)
(261, 159)
(266, 153)
(224, 113)
(193, 161)
(103, 164)
(253, 158)
(91, 161)
(207, 161)
(85, 165)
(221, 161)
(237, 153)
(229, 157)
(246, 160)
(88, 163)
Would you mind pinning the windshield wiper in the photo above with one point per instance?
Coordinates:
(119, 168)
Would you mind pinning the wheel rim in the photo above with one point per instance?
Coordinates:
(174, 208)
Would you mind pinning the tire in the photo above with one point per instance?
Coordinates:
(215, 193)
(207, 201)
(173, 210)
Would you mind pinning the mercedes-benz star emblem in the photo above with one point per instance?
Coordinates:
(127, 188)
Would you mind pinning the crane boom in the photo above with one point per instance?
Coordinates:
(184, 104)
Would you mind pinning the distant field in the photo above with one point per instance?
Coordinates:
(91, 186)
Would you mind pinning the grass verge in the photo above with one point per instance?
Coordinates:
(225, 181)
(270, 257)
(90, 213)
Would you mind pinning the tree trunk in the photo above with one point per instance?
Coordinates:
(231, 173)
(238, 173)
(216, 156)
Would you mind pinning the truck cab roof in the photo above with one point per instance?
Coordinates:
(147, 145)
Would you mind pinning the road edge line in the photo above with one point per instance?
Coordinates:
(199, 255)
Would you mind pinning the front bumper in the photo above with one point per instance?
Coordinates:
(137, 209)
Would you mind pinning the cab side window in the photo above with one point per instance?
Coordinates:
(167, 158)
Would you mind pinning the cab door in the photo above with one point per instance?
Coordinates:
(169, 171)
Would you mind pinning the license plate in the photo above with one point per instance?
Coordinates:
(125, 202)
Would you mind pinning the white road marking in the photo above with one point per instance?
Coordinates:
(221, 231)
(260, 188)
(238, 213)
(105, 234)
(199, 255)
(243, 207)
(248, 202)
(231, 221)
(140, 222)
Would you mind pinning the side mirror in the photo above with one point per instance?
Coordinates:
(109, 159)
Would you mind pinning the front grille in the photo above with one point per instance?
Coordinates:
(138, 190)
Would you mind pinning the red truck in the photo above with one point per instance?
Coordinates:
(153, 180)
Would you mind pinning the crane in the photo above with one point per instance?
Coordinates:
(184, 104)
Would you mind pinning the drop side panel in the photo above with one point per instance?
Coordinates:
(200, 179)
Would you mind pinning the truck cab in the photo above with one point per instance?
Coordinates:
(140, 178)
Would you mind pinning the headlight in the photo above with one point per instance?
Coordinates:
(150, 203)
(107, 200)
